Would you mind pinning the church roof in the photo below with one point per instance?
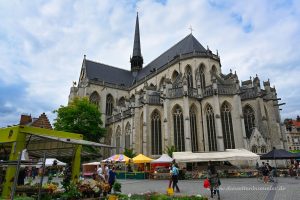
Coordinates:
(109, 74)
(187, 45)
(101, 72)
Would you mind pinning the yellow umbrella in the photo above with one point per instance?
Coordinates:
(141, 159)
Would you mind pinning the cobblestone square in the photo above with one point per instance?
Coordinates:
(231, 188)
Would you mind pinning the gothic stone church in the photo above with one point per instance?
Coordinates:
(181, 98)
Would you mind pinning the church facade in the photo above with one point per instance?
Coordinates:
(183, 99)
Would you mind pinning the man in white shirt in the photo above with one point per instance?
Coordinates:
(100, 172)
(106, 172)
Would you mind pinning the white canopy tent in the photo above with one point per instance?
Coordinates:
(163, 159)
(49, 162)
(227, 155)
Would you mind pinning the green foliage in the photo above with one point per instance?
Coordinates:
(23, 198)
(129, 153)
(82, 117)
(72, 193)
(169, 150)
(117, 187)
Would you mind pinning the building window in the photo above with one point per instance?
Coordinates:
(156, 134)
(263, 149)
(121, 102)
(290, 148)
(193, 124)
(109, 104)
(95, 98)
(249, 120)
(254, 149)
(210, 122)
(142, 132)
(202, 76)
(118, 140)
(179, 140)
(227, 128)
(127, 135)
(189, 76)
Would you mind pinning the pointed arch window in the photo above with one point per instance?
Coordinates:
(263, 149)
(227, 128)
(122, 102)
(161, 83)
(211, 130)
(179, 140)
(193, 124)
(127, 135)
(109, 104)
(189, 77)
(254, 149)
(156, 137)
(202, 76)
(118, 140)
(249, 119)
(95, 98)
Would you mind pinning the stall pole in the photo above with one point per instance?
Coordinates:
(42, 177)
(16, 177)
(76, 163)
(17, 146)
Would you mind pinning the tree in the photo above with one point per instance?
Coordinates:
(129, 153)
(170, 150)
(82, 117)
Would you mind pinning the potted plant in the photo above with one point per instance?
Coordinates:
(117, 187)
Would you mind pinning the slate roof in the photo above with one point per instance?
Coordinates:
(187, 45)
(101, 72)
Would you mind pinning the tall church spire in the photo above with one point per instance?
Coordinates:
(137, 59)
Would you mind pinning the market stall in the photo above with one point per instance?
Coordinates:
(227, 155)
(49, 162)
(160, 167)
(40, 143)
(142, 164)
(88, 169)
(117, 158)
(220, 158)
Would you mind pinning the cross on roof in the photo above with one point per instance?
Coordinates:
(191, 28)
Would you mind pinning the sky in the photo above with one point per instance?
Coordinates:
(42, 44)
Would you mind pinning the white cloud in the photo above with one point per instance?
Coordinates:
(42, 43)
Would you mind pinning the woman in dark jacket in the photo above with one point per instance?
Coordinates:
(213, 180)
(111, 178)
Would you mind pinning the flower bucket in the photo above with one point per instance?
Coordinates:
(170, 191)
(112, 197)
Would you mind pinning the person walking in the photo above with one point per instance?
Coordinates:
(265, 173)
(111, 178)
(170, 178)
(271, 173)
(175, 173)
(214, 180)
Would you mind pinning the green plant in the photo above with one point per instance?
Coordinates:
(72, 193)
(169, 150)
(129, 153)
(117, 187)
